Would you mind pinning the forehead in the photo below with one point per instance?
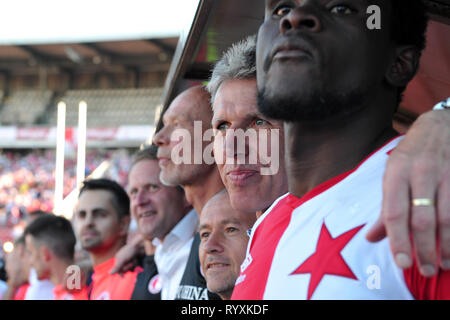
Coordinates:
(95, 199)
(272, 2)
(29, 239)
(186, 106)
(220, 211)
(144, 171)
(178, 110)
(385, 5)
(236, 99)
(30, 242)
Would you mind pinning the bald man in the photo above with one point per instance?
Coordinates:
(224, 237)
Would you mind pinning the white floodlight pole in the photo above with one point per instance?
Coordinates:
(59, 167)
(81, 152)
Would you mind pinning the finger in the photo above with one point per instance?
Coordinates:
(377, 232)
(116, 268)
(443, 208)
(395, 211)
(127, 267)
(423, 218)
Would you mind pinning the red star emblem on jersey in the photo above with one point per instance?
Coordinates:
(327, 259)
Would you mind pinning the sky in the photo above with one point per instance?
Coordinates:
(61, 21)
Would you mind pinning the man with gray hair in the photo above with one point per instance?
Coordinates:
(233, 95)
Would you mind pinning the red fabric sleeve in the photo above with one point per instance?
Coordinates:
(21, 292)
(433, 288)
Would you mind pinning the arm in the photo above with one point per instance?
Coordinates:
(17, 274)
(418, 168)
(9, 293)
(126, 256)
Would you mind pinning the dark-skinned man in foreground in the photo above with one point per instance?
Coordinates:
(338, 128)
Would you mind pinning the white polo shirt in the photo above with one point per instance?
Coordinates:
(39, 289)
(172, 253)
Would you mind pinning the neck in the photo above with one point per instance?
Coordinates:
(58, 272)
(317, 152)
(225, 295)
(198, 193)
(100, 256)
(149, 248)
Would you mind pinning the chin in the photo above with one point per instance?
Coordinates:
(168, 180)
(243, 204)
(147, 233)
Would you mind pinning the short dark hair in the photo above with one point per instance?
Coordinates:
(36, 213)
(56, 233)
(121, 201)
(20, 241)
(409, 23)
(147, 153)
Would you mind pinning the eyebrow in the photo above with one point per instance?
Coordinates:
(270, 3)
(95, 210)
(223, 222)
(248, 116)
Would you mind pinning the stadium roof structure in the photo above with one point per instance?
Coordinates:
(151, 54)
(85, 35)
(220, 23)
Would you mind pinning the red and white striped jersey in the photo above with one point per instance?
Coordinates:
(314, 247)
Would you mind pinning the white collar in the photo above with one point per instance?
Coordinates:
(183, 230)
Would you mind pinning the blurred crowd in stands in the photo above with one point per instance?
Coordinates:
(27, 180)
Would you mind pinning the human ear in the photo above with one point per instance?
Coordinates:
(404, 66)
(124, 226)
(45, 253)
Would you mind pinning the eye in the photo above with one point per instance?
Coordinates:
(132, 193)
(260, 122)
(221, 126)
(204, 235)
(101, 214)
(231, 229)
(81, 214)
(281, 11)
(153, 188)
(341, 9)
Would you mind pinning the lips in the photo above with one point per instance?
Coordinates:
(291, 49)
(240, 176)
(216, 266)
(89, 234)
(163, 161)
(146, 214)
(291, 53)
(163, 157)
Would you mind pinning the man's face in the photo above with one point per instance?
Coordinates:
(192, 105)
(317, 59)
(97, 221)
(224, 238)
(155, 207)
(37, 259)
(17, 263)
(235, 108)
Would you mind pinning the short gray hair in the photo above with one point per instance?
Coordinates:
(238, 62)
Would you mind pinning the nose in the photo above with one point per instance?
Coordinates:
(161, 138)
(141, 197)
(84, 222)
(236, 145)
(302, 18)
(214, 243)
(89, 219)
